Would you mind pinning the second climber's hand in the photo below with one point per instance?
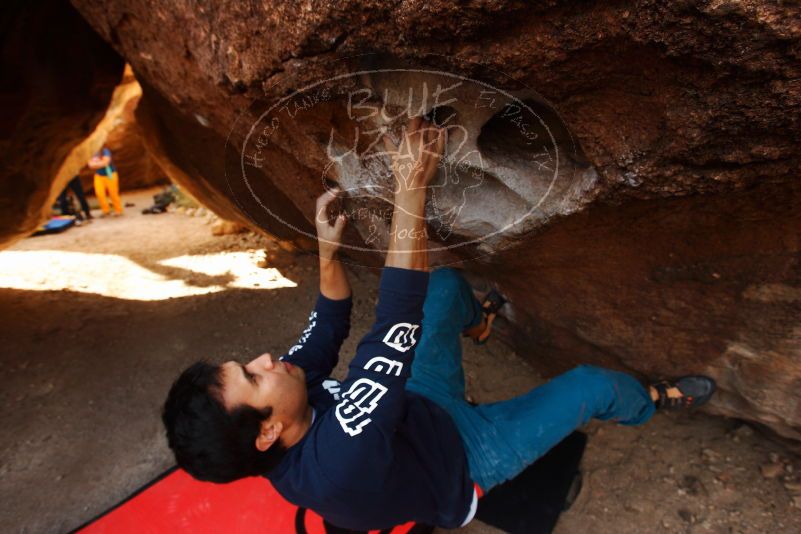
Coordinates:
(329, 232)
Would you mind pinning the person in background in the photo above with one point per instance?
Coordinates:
(106, 179)
(77, 190)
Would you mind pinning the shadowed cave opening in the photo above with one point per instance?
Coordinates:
(501, 139)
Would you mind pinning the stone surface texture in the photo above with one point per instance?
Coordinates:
(53, 94)
(670, 243)
(119, 131)
(135, 166)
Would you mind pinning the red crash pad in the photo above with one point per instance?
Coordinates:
(176, 502)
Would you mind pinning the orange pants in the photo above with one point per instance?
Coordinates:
(103, 183)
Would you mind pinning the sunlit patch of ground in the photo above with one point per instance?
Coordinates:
(117, 276)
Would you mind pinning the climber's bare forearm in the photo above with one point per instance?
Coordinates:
(408, 240)
(414, 164)
(333, 279)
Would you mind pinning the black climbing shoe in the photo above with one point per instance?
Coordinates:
(695, 391)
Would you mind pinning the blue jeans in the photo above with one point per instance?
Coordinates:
(502, 438)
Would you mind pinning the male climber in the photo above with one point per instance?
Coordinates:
(396, 441)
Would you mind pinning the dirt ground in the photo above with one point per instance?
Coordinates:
(98, 321)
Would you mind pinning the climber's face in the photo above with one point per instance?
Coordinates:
(266, 383)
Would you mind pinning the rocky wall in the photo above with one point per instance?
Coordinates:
(135, 166)
(56, 79)
(658, 235)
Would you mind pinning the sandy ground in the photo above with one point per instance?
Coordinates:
(97, 322)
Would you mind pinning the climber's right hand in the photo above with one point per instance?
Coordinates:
(329, 231)
(416, 158)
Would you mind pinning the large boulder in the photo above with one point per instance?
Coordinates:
(626, 172)
(57, 77)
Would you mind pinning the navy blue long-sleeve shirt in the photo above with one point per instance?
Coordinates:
(376, 455)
